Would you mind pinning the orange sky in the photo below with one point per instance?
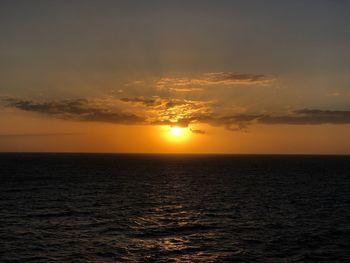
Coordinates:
(51, 135)
(116, 76)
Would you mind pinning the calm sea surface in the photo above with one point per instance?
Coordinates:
(149, 208)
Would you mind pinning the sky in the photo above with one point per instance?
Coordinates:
(175, 76)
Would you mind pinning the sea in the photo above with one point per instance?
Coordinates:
(174, 208)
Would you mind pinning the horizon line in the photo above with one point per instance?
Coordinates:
(176, 153)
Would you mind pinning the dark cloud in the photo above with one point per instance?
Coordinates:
(237, 122)
(297, 117)
(185, 89)
(237, 78)
(79, 109)
(309, 116)
(141, 100)
(157, 102)
(182, 123)
(197, 131)
(215, 78)
(172, 112)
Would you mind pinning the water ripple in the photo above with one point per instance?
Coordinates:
(116, 208)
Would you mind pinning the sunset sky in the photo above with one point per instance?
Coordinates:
(175, 76)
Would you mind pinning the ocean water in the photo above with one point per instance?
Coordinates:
(174, 208)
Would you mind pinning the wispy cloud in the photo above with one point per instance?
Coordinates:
(171, 111)
(309, 116)
(215, 78)
(196, 131)
(141, 100)
(297, 117)
(76, 109)
(183, 89)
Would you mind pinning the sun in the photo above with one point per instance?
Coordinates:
(177, 131)
(176, 134)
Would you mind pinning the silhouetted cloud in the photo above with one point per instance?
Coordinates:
(159, 102)
(236, 78)
(215, 78)
(173, 112)
(237, 122)
(141, 100)
(197, 131)
(78, 109)
(182, 123)
(297, 117)
(185, 89)
(309, 116)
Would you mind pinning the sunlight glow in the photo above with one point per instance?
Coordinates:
(177, 131)
(176, 134)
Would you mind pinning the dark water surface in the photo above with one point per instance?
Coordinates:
(144, 208)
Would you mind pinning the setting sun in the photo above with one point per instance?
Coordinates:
(176, 134)
(177, 131)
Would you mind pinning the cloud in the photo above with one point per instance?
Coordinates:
(76, 109)
(197, 131)
(152, 111)
(171, 111)
(309, 116)
(297, 117)
(215, 78)
(141, 100)
(235, 78)
(236, 122)
(168, 111)
(183, 89)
